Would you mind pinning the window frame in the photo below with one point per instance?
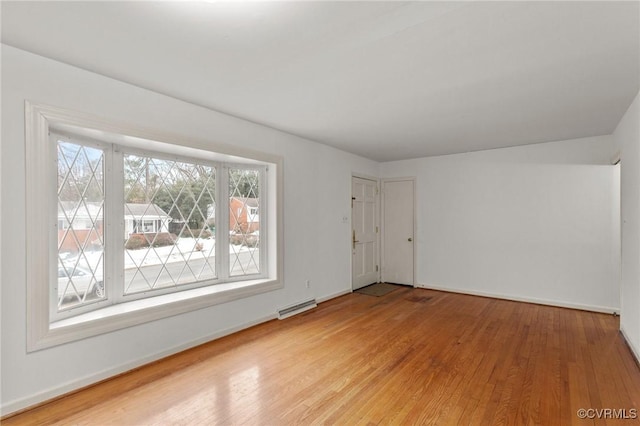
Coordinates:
(262, 201)
(41, 121)
(54, 313)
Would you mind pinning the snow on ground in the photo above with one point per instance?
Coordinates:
(185, 248)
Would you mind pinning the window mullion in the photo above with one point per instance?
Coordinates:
(114, 252)
(263, 209)
(222, 224)
(51, 150)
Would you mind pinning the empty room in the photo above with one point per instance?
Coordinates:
(320, 212)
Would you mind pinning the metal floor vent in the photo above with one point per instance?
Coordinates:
(297, 308)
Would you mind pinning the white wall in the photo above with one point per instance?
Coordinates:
(317, 196)
(627, 141)
(535, 223)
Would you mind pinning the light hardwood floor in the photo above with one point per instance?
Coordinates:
(414, 356)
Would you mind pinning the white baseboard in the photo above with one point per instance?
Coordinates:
(634, 349)
(560, 304)
(57, 391)
(333, 295)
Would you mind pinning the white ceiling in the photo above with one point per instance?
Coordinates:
(385, 80)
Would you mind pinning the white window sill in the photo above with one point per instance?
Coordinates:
(136, 312)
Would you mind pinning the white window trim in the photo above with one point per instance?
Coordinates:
(41, 333)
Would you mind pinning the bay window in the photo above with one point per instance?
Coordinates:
(141, 226)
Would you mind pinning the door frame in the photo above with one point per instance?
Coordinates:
(616, 161)
(382, 222)
(378, 224)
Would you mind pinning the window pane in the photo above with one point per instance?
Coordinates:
(80, 225)
(169, 223)
(244, 222)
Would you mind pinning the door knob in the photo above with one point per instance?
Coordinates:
(410, 239)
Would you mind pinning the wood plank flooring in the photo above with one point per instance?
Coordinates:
(414, 356)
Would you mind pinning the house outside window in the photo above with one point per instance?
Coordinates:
(141, 218)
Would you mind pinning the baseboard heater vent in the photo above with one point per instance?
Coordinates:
(298, 308)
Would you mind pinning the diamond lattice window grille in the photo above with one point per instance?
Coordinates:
(81, 236)
(244, 223)
(170, 238)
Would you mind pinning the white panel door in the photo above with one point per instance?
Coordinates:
(364, 237)
(398, 233)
